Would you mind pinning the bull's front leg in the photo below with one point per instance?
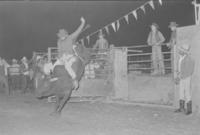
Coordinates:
(63, 102)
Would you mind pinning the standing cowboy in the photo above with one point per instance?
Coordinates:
(66, 53)
(172, 42)
(14, 71)
(155, 39)
(25, 73)
(185, 71)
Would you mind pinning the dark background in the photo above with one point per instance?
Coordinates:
(27, 26)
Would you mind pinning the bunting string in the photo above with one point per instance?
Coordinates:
(116, 24)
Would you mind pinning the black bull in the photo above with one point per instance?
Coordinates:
(62, 87)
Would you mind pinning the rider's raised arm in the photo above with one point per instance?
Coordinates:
(78, 30)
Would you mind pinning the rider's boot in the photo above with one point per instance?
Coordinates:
(76, 84)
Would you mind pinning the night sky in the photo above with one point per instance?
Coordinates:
(32, 26)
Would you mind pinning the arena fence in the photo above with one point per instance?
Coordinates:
(100, 65)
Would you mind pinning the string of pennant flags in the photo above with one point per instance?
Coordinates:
(116, 24)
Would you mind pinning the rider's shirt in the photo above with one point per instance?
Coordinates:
(65, 46)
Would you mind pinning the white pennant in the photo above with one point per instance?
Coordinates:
(151, 4)
(107, 30)
(118, 24)
(126, 18)
(88, 38)
(143, 9)
(113, 25)
(160, 1)
(135, 14)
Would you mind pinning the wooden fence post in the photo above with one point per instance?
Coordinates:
(120, 80)
(49, 54)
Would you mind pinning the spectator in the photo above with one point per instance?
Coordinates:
(25, 79)
(155, 39)
(101, 43)
(3, 75)
(14, 71)
(172, 42)
(101, 47)
(48, 67)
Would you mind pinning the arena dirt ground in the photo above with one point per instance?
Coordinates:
(25, 115)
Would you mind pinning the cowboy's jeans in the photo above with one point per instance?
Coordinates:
(184, 90)
(67, 61)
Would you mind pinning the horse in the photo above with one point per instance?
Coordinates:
(61, 84)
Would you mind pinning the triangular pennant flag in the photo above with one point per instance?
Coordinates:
(126, 18)
(88, 38)
(151, 4)
(118, 24)
(143, 9)
(135, 14)
(113, 25)
(107, 30)
(160, 1)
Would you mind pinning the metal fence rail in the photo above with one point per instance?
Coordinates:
(139, 59)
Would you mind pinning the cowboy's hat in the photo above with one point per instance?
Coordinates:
(155, 24)
(62, 32)
(101, 34)
(184, 46)
(14, 60)
(24, 59)
(172, 24)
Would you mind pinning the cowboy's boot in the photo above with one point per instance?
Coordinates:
(189, 108)
(181, 106)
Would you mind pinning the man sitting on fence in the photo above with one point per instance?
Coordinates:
(66, 50)
(101, 47)
(101, 44)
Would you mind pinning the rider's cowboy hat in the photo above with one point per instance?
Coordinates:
(172, 24)
(184, 46)
(62, 32)
(155, 24)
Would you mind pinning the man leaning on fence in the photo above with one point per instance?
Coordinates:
(155, 39)
(184, 74)
(172, 42)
